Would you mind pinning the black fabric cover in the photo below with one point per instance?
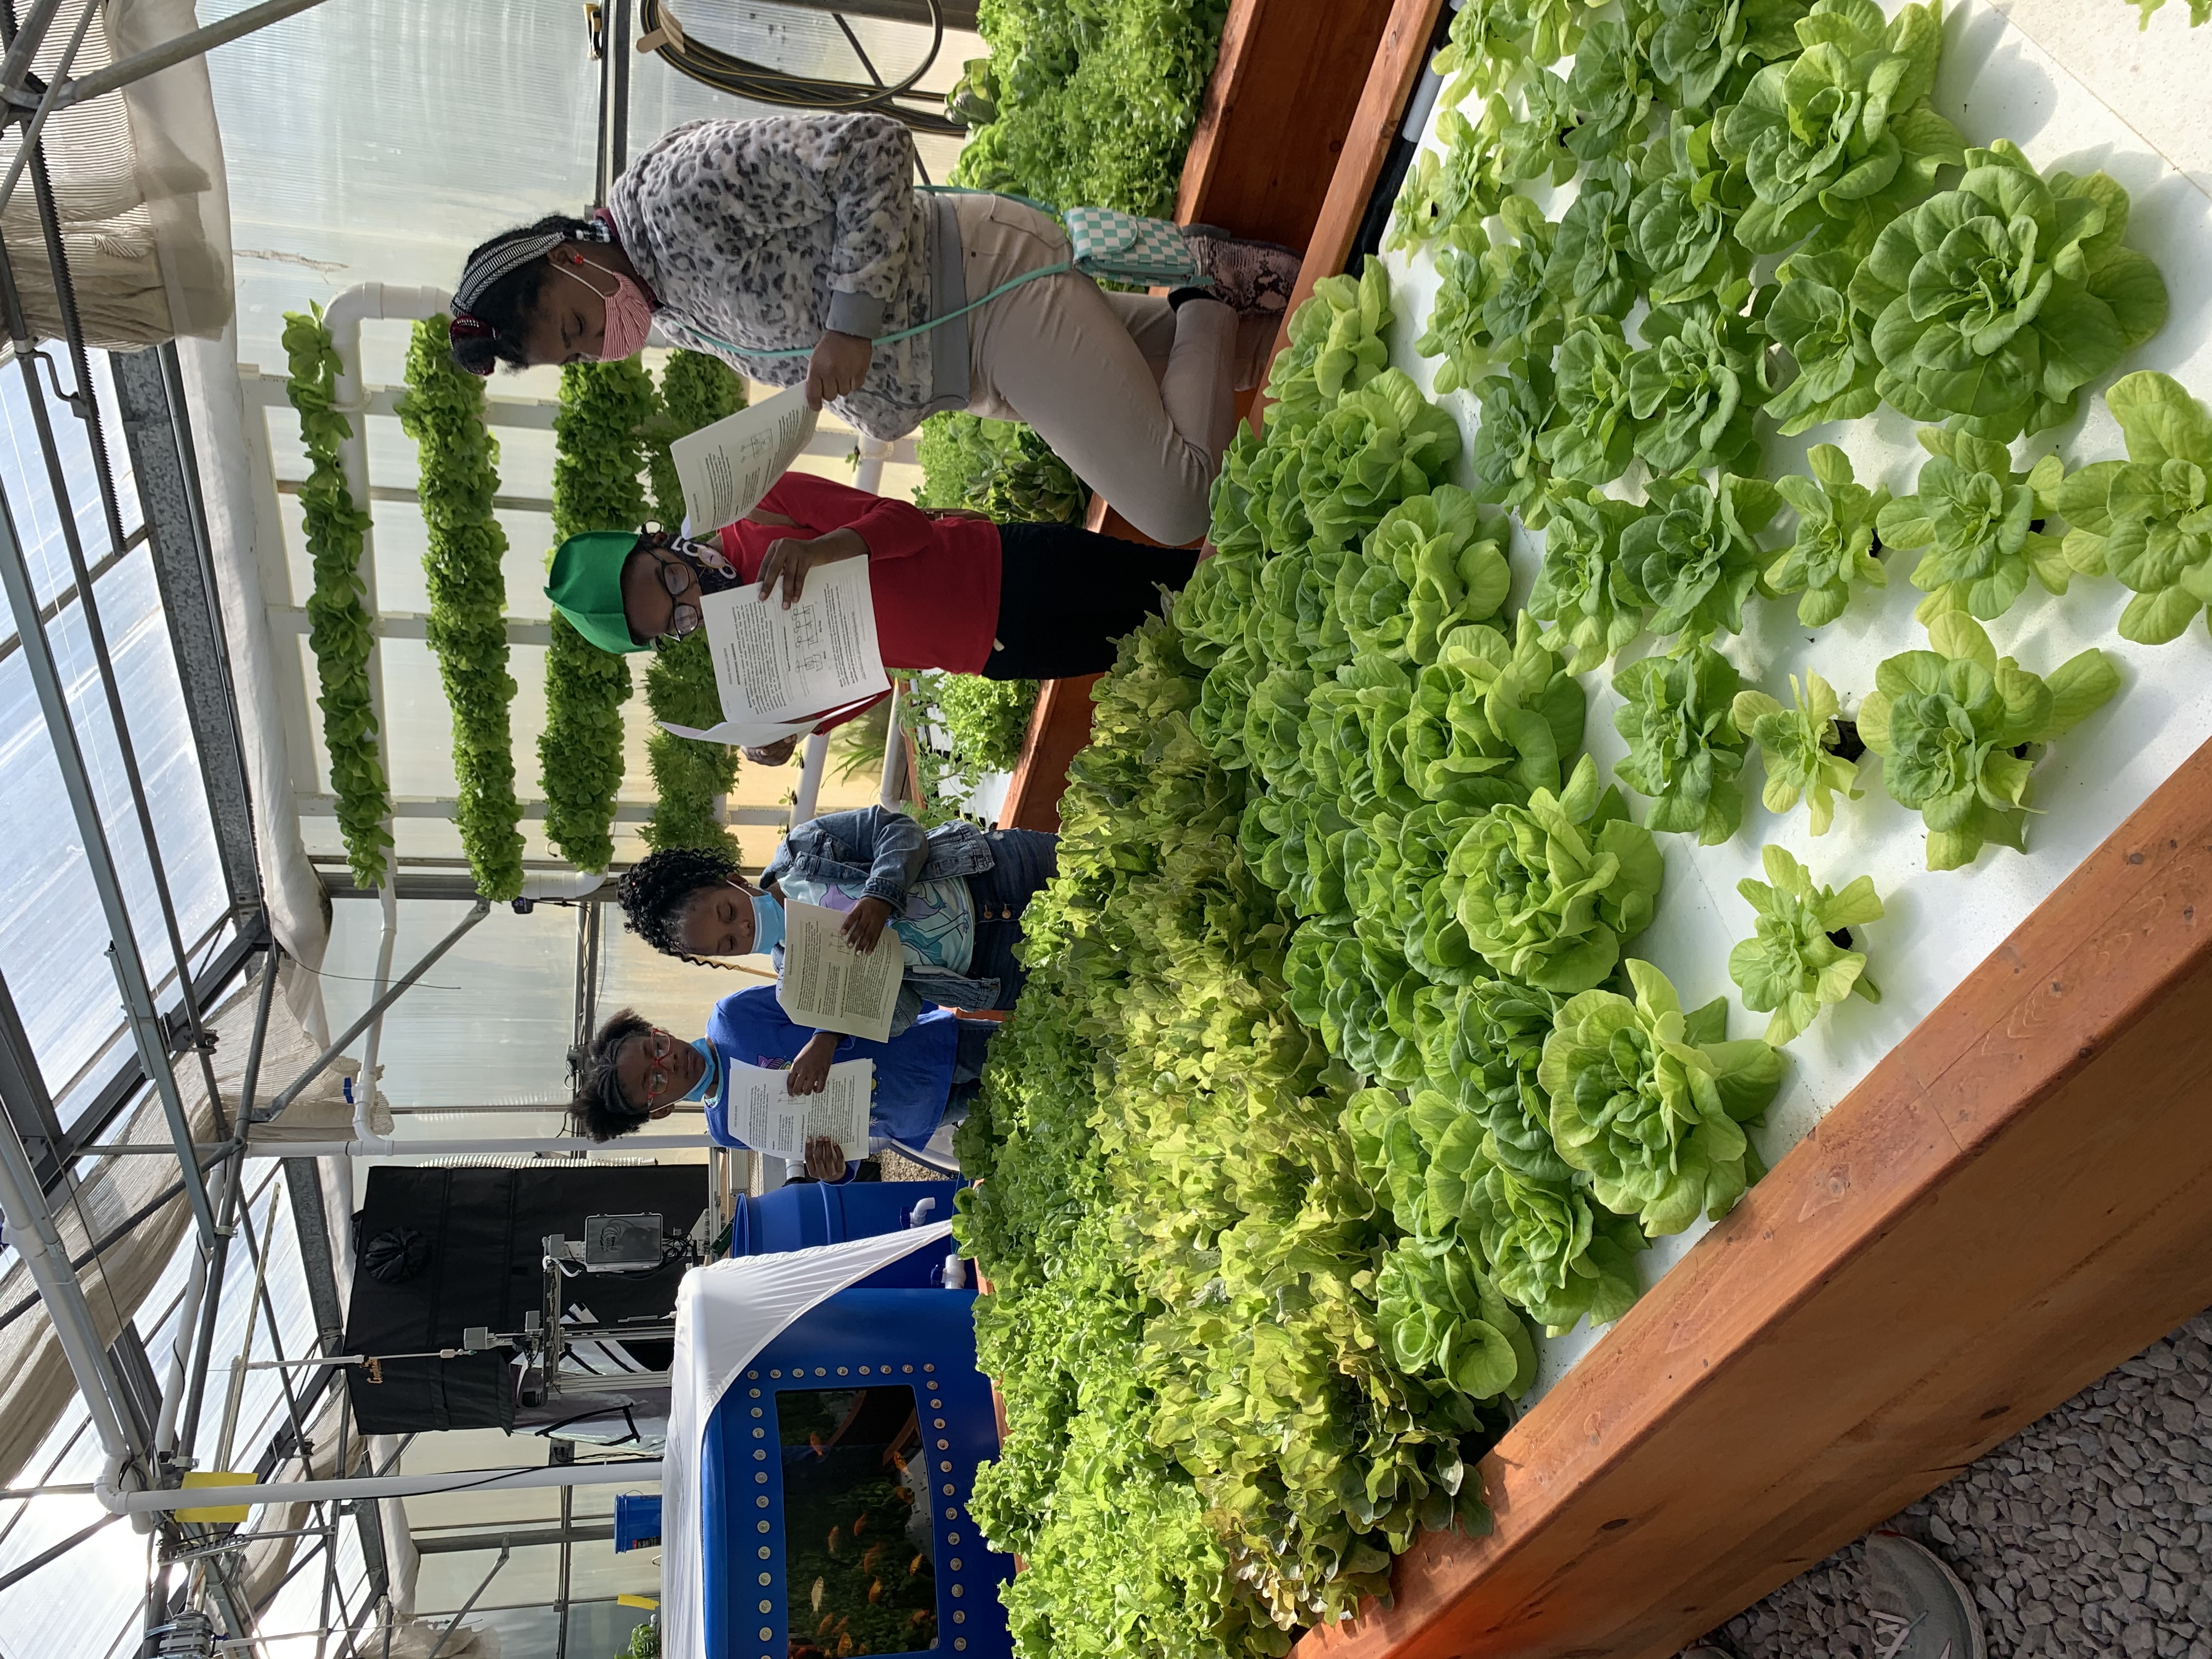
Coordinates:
(395, 1256)
(482, 1232)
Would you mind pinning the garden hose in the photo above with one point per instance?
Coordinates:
(661, 33)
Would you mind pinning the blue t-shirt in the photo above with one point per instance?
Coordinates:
(914, 1070)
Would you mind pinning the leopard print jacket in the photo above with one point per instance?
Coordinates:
(757, 235)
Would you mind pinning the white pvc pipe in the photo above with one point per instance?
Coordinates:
(811, 768)
(343, 317)
(391, 1146)
(869, 474)
(118, 1502)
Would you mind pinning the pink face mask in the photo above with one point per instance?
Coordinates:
(628, 315)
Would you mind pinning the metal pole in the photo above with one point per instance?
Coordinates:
(476, 914)
(28, 144)
(30, 35)
(31, 1230)
(145, 1021)
(619, 1472)
(504, 1551)
(170, 53)
(386, 1146)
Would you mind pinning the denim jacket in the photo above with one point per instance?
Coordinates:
(883, 853)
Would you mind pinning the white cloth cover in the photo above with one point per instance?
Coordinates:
(726, 1313)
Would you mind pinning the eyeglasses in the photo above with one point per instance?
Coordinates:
(677, 576)
(659, 1049)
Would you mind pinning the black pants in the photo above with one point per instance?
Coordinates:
(1067, 595)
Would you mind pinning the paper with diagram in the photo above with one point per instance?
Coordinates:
(726, 468)
(776, 664)
(762, 1111)
(830, 986)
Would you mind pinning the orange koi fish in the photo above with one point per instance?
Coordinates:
(836, 1533)
(915, 1565)
(814, 1444)
(868, 1560)
(822, 1629)
(859, 1521)
(876, 1589)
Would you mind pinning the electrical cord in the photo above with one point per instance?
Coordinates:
(661, 32)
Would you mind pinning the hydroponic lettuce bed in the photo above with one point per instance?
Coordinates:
(1334, 1080)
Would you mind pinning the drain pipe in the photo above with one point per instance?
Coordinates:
(369, 302)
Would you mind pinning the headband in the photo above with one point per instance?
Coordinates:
(495, 260)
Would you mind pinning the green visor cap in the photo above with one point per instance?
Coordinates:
(586, 585)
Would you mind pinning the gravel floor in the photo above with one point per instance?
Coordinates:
(2084, 1535)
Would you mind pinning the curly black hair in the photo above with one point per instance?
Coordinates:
(599, 1108)
(653, 893)
(506, 306)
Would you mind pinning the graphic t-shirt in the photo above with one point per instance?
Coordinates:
(937, 930)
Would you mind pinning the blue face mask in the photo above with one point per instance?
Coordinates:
(710, 1080)
(768, 924)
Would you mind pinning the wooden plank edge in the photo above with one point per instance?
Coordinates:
(1684, 1467)
(1391, 79)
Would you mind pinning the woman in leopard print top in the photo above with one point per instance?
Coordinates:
(798, 232)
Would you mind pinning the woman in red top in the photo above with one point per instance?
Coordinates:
(952, 590)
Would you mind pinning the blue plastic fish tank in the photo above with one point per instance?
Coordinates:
(835, 1480)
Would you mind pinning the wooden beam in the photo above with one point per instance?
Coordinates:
(1399, 59)
(1059, 727)
(2015, 1199)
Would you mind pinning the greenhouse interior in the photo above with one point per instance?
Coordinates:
(751, 982)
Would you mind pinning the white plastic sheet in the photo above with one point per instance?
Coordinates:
(726, 1313)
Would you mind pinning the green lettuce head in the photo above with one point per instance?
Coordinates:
(1800, 958)
(1982, 523)
(1548, 892)
(1593, 268)
(1650, 1103)
(2149, 520)
(1683, 229)
(1692, 553)
(1684, 750)
(1584, 590)
(1336, 342)
(1493, 721)
(1483, 1048)
(1553, 1250)
(1610, 87)
(1701, 51)
(1836, 541)
(1379, 445)
(1521, 313)
(1952, 725)
(1507, 459)
(1803, 749)
(1592, 435)
(1695, 384)
(1840, 137)
(1429, 567)
(1459, 186)
(1441, 1317)
(1457, 329)
(1813, 321)
(1997, 301)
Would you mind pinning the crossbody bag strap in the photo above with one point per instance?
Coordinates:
(1060, 270)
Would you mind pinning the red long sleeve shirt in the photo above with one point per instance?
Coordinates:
(935, 581)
